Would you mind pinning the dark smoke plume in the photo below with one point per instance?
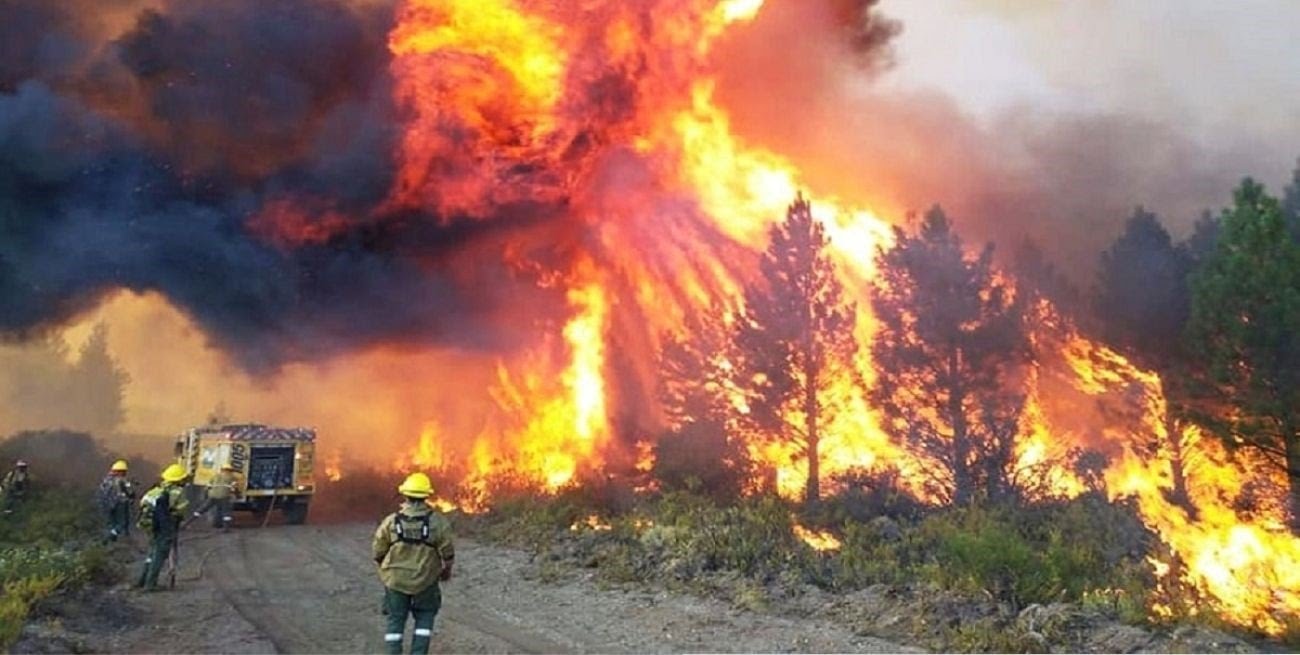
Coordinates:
(140, 161)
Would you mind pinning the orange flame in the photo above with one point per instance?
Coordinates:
(592, 522)
(819, 540)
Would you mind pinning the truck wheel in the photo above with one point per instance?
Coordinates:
(296, 514)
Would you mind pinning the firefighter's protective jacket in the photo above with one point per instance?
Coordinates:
(15, 482)
(411, 547)
(115, 490)
(177, 506)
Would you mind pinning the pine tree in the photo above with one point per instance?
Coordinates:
(1142, 298)
(949, 352)
(796, 339)
(97, 383)
(695, 388)
(1245, 327)
(1142, 304)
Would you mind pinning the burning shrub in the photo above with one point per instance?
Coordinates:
(865, 495)
(362, 494)
(700, 458)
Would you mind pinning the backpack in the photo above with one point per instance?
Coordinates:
(157, 516)
(412, 529)
(162, 508)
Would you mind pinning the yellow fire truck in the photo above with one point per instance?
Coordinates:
(274, 465)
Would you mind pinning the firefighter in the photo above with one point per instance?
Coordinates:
(222, 489)
(414, 552)
(161, 511)
(116, 493)
(14, 486)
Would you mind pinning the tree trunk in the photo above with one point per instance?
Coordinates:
(812, 491)
(1178, 465)
(1292, 445)
(963, 480)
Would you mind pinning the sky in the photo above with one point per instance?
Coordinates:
(1227, 74)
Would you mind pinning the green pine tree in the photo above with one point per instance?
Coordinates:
(1245, 326)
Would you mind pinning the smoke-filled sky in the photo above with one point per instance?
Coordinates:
(234, 157)
(1221, 71)
(1220, 77)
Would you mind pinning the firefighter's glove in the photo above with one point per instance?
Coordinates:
(446, 573)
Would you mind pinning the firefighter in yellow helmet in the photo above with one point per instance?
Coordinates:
(413, 548)
(116, 493)
(161, 511)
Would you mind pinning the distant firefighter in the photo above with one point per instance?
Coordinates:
(223, 488)
(413, 548)
(116, 494)
(14, 486)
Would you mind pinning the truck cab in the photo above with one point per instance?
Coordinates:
(274, 465)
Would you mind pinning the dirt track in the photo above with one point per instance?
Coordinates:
(313, 589)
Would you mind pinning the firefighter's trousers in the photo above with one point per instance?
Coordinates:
(160, 548)
(423, 607)
(119, 521)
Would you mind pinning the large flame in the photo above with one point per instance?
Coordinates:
(516, 79)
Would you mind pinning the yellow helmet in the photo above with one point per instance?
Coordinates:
(173, 473)
(416, 485)
(119, 466)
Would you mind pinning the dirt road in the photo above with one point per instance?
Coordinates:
(313, 589)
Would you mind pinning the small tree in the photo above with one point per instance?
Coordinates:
(695, 389)
(949, 352)
(795, 339)
(1245, 328)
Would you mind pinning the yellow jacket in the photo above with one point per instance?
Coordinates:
(411, 560)
(177, 506)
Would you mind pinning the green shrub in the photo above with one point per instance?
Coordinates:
(49, 543)
(992, 636)
(1026, 558)
(19, 597)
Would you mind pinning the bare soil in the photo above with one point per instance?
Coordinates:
(297, 589)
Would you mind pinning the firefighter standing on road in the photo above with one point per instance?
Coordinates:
(414, 552)
(222, 489)
(115, 495)
(13, 488)
(161, 511)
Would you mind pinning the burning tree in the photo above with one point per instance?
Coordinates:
(1142, 306)
(1245, 325)
(795, 340)
(949, 355)
(695, 387)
